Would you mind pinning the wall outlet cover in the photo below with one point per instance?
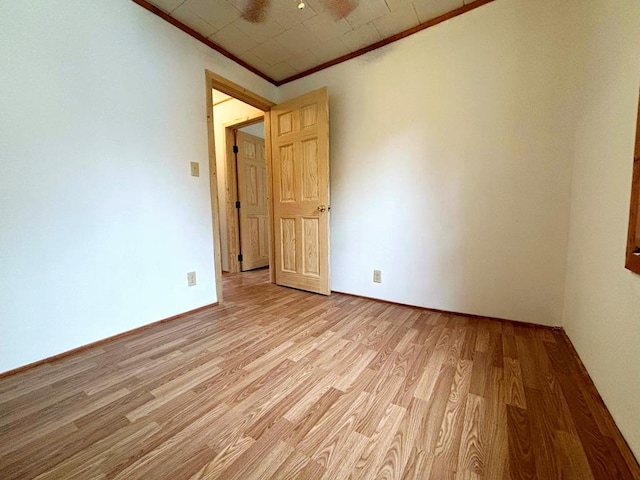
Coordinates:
(191, 279)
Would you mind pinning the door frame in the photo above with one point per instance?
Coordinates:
(233, 220)
(223, 85)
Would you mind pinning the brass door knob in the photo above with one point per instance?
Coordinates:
(322, 208)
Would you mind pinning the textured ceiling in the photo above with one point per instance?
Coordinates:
(290, 40)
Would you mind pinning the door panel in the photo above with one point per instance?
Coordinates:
(310, 170)
(288, 244)
(300, 166)
(310, 253)
(287, 175)
(252, 193)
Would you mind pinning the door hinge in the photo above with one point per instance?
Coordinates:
(238, 204)
(240, 257)
(235, 149)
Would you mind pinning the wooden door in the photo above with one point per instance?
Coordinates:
(300, 173)
(252, 194)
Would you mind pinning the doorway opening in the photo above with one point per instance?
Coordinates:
(247, 108)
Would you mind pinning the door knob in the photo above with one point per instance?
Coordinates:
(322, 208)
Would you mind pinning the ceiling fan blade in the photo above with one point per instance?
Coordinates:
(256, 10)
(340, 8)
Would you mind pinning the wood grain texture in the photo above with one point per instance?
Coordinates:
(95, 345)
(282, 384)
(231, 188)
(301, 193)
(251, 175)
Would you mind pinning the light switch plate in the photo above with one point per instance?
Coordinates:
(377, 276)
(191, 279)
(195, 169)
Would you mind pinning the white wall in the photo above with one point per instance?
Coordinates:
(102, 109)
(229, 112)
(602, 307)
(257, 129)
(451, 164)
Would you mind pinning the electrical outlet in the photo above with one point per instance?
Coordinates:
(377, 276)
(195, 169)
(191, 279)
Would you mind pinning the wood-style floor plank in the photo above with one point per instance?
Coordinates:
(281, 384)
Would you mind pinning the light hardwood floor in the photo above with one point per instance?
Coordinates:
(282, 384)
